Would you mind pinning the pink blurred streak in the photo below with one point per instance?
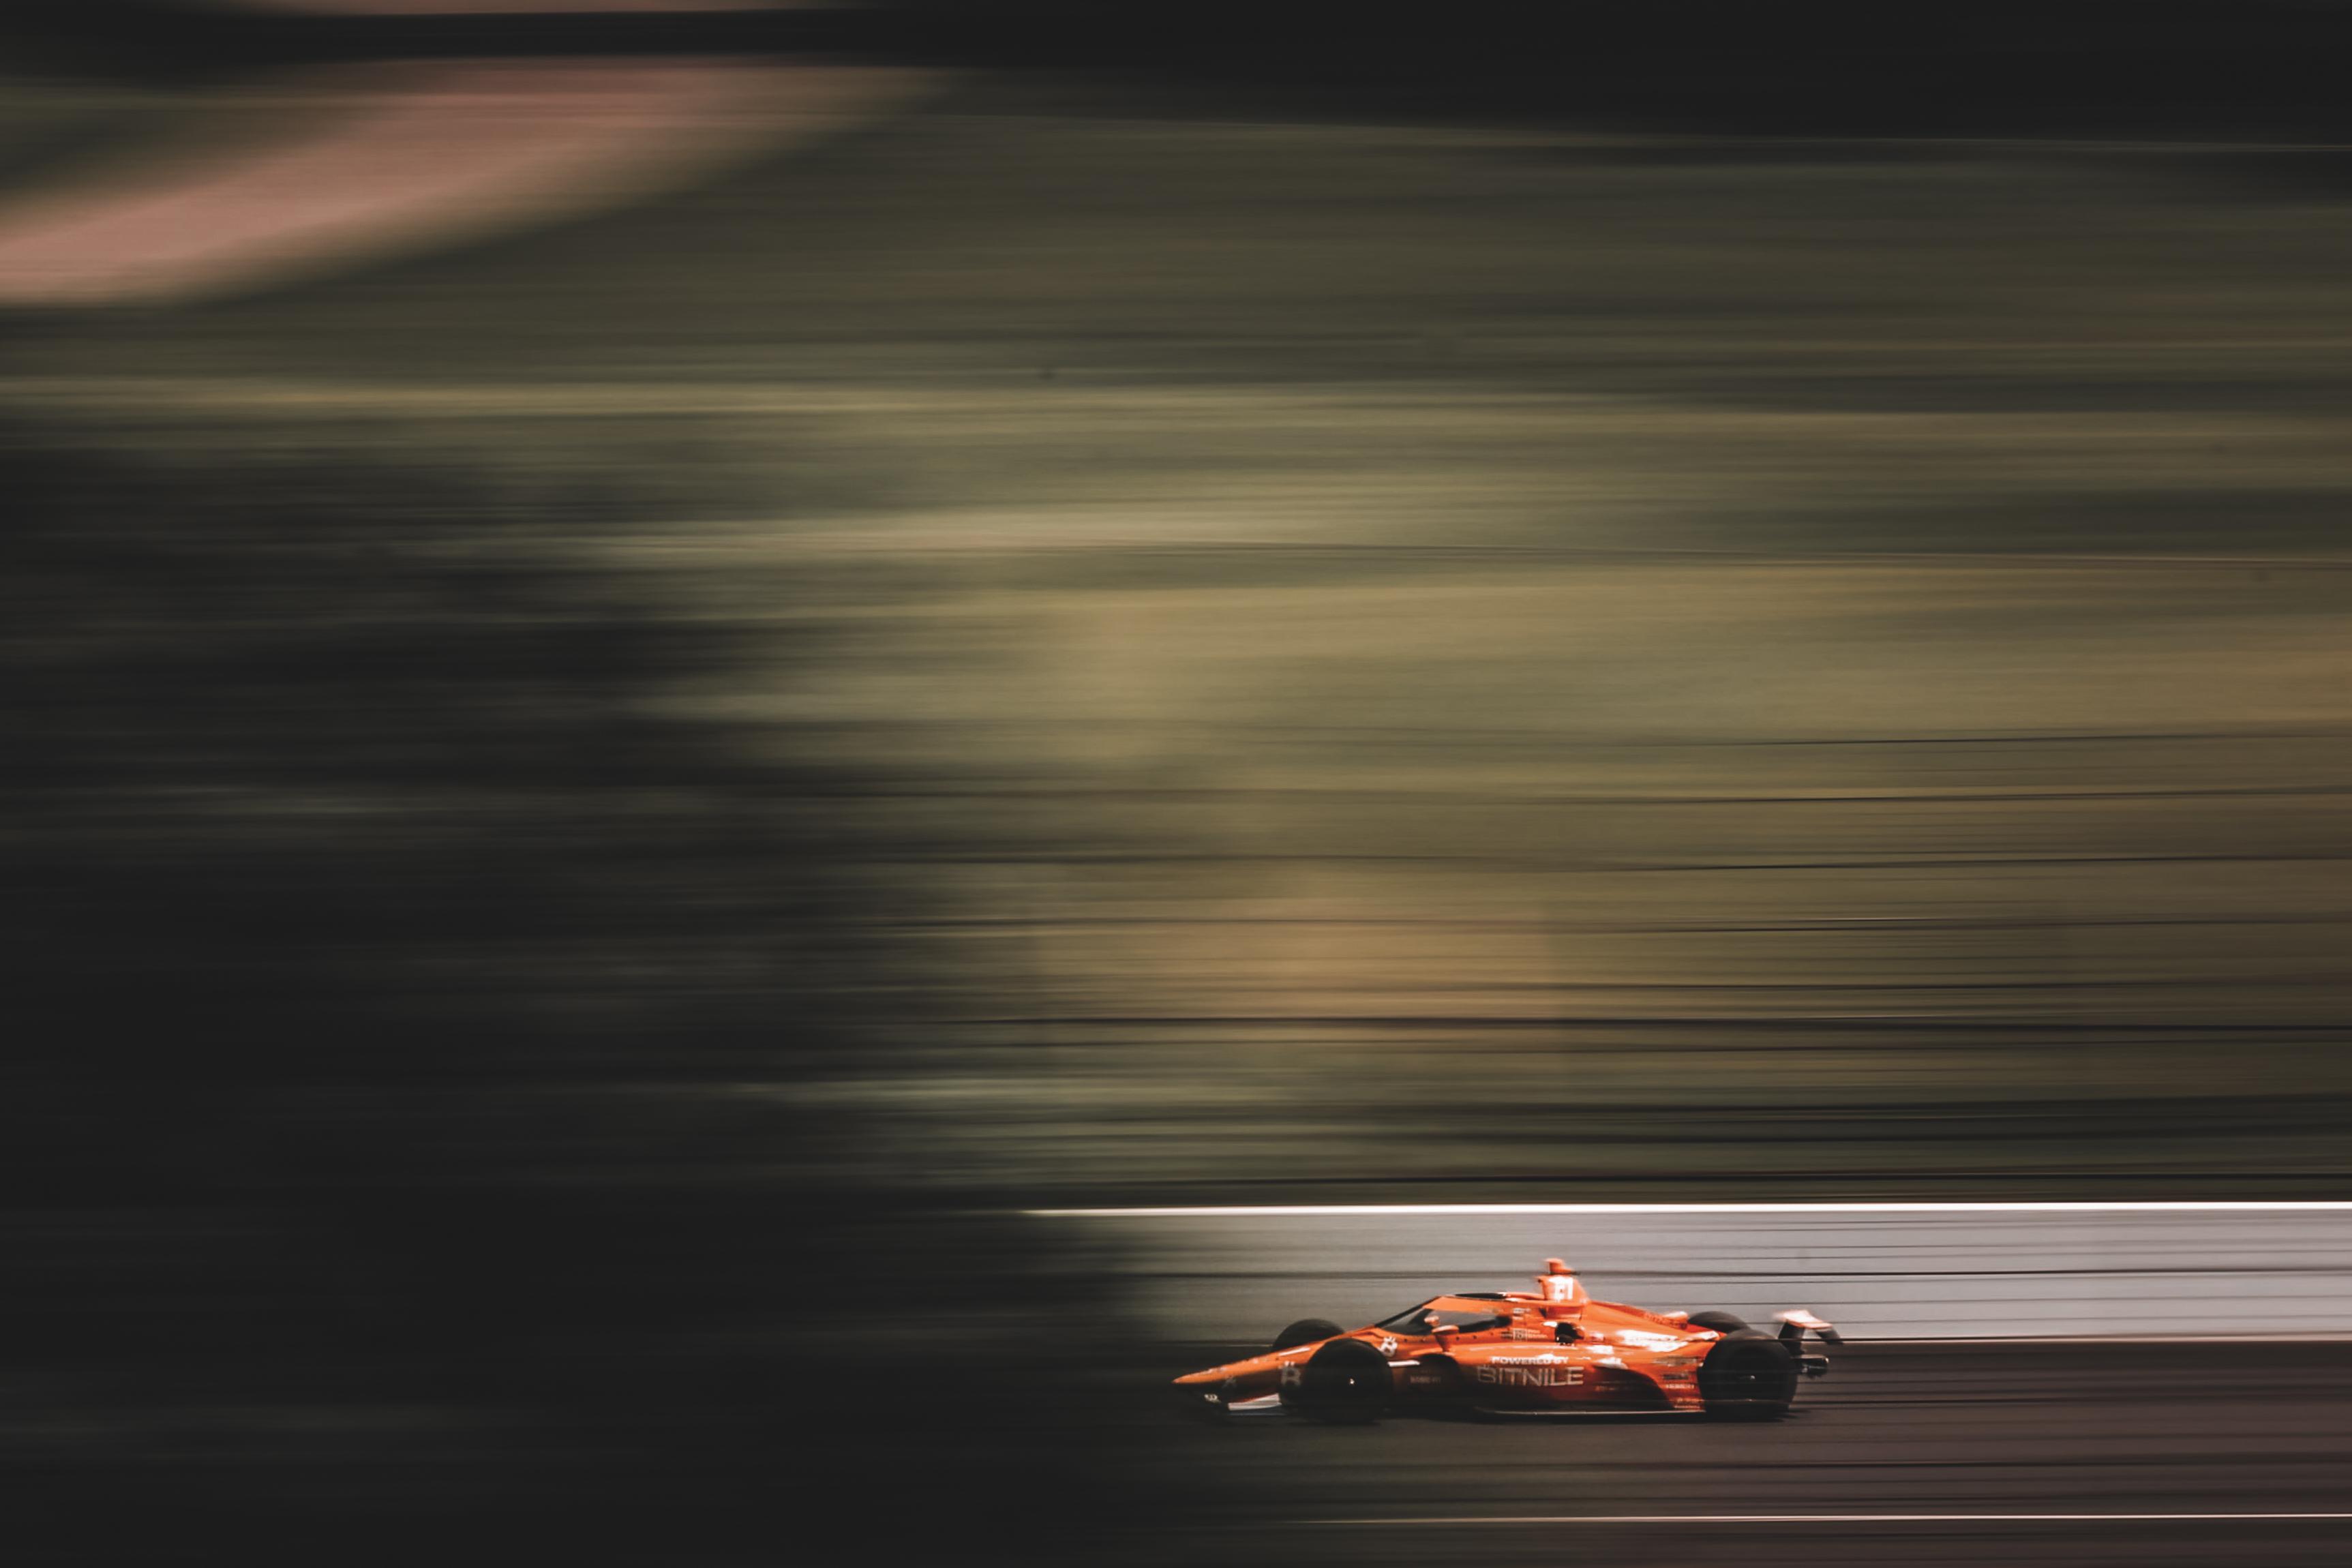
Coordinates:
(418, 155)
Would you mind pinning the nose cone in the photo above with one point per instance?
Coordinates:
(1231, 1369)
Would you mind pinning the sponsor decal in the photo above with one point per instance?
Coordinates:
(1388, 1345)
(1292, 1376)
(1546, 1371)
(1644, 1339)
(1524, 1374)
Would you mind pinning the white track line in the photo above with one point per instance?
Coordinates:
(1836, 1519)
(1303, 1211)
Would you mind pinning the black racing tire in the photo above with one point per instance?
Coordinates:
(1747, 1376)
(1306, 1331)
(1345, 1384)
(1721, 1322)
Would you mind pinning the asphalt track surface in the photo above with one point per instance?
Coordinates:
(1926, 1453)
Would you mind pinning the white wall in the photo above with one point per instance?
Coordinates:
(1889, 1273)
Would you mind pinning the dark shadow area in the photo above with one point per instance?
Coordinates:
(1823, 67)
(413, 1043)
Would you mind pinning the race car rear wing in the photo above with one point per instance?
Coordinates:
(1794, 1327)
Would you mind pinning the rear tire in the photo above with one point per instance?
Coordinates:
(1306, 1331)
(1721, 1322)
(1747, 1376)
(1345, 1384)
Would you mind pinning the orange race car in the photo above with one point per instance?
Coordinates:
(1553, 1351)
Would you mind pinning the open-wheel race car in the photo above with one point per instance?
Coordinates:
(1553, 1351)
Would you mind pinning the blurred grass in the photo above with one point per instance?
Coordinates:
(1401, 655)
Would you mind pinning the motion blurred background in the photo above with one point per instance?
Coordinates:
(665, 663)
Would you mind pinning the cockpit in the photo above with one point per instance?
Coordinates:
(1463, 1314)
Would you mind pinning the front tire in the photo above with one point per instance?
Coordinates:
(1345, 1384)
(1306, 1331)
(1747, 1376)
(1721, 1322)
